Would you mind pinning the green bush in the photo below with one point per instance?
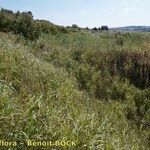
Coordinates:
(24, 24)
(20, 23)
(142, 109)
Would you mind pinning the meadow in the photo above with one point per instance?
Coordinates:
(92, 87)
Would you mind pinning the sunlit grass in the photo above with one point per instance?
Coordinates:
(61, 87)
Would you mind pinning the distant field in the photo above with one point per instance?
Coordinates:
(132, 29)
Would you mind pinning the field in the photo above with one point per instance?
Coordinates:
(84, 86)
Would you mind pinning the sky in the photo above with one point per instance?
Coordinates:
(85, 13)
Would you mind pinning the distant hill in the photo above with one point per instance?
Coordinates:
(132, 29)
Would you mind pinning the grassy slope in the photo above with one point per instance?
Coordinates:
(48, 90)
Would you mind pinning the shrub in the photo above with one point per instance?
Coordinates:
(20, 23)
(74, 26)
(24, 24)
(119, 40)
(95, 29)
(105, 28)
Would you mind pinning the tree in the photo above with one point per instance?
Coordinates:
(104, 28)
(95, 29)
(74, 26)
(19, 23)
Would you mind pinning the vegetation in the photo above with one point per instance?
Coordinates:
(90, 88)
(132, 29)
(104, 28)
(24, 24)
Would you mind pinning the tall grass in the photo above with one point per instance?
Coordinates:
(75, 86)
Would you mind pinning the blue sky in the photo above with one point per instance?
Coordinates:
(91, 13)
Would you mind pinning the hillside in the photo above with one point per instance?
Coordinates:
(132, 29)
(67, 84)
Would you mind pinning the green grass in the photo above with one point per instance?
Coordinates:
(73, 86)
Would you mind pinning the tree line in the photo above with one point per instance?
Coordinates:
(24, 24)
(102, 28)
